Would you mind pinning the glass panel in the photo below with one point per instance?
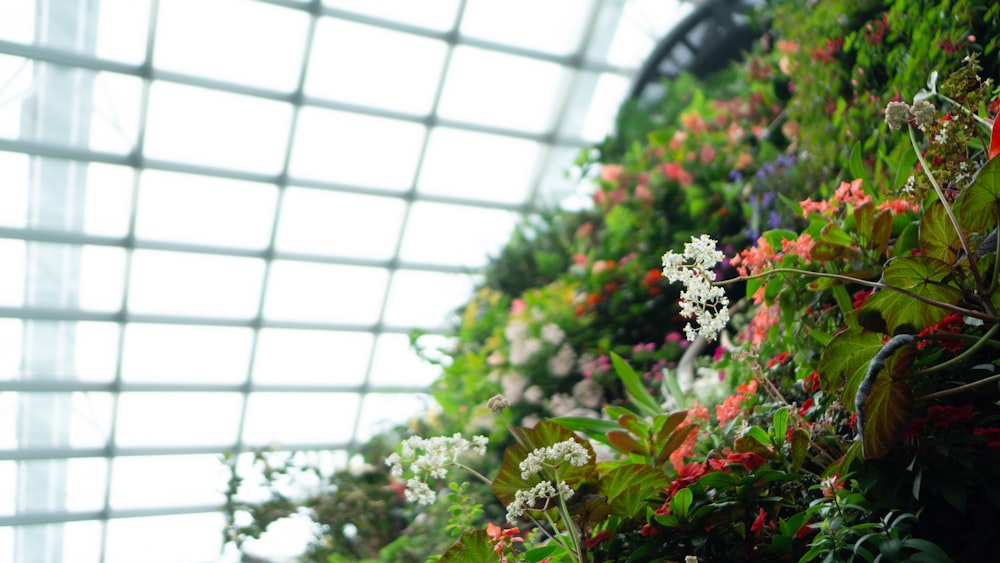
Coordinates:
(288, 419)
(554, 26)
(122, 30)
(200, 210)
(80, 542)
(96, 351)
(167, 480)
(102, 278)
(14, 195)
(311, 357)
(185, 354)
(398, 71)
(85, 480)
(396, 363)
(300, 291)
(640, 27)
(210, 128)
(187, 538)
(12, 282)
(10, 347)
(454, 234)
(84, 422)
(503, 167)
(108, 199)
(178, 283)
(339, 224)
(101, 113)
(438, 15)
(425, 299)
(17, 22)
(382, 411)
(353, 149)
(233, 40)
(502, 90)
(177, 419)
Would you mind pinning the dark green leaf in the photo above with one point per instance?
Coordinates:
(631, 487)
(921, 275)
(845, 361)
(889, 407)
(938, 238)
(472, 547)
(508, 480)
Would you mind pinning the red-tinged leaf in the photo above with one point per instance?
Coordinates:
(995, 139)
(471, 547)
(677, 438)
(745, 444)
(665, 424)
(626, 443)
(634, 424)
(800, 447)
(888, 409)
(546, 433)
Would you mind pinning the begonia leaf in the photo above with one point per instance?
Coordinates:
(889, 407)
(845, 361)
(901, 313)
(937, 237)
(976, 206)
(546, 433)
(629, 488)
(471, 547)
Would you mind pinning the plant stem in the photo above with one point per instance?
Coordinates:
(959, 389)
(951, 217)
(879, 285)
(985, 339)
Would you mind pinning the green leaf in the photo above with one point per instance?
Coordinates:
(845, 361)
(780, 425)
(508, 480)
(631, 422)
(759, 434)
(634, 388)
(629, 488)
(938, 238)
(881, 233)
(673, 442)
(976, 206)
(901, 313)
(665, 424)
(908, 240)
(855, 163)
(681, 503)
(472, 547)
(834, 234)
(888, 409)
(800, 448)
(593, 428)
(864, 218)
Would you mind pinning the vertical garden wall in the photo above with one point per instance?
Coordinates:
(773, 337)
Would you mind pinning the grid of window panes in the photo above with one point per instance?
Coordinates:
(220, 219)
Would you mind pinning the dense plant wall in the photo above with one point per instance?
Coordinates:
(772, 337)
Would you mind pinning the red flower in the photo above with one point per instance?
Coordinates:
(648, 531)
(804, 409)
(749, 460)
(991, 434)
(951, 324)
(777, 360)
(758, 523)
(598, 539)
(810, 384)
(947, 415)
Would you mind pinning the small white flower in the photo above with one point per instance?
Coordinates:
(525, 500)
(552, 334)
(700, 300)
(436, 455)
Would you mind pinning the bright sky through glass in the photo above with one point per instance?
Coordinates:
(220, 235)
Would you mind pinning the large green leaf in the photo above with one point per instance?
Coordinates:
(889, 407)
(938, 238)
(634, 388)
(901, 313)
(546, 433)
(976, 207)
(472, 547)
(845, 361)
(630, 488)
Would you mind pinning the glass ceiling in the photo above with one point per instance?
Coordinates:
(219, 220)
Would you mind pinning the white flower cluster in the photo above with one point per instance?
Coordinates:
(568, 450)
(438, 453)
(700, 300)
(525, 500)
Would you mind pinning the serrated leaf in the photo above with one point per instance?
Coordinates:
(976, 206)
(634, 388)
(938, 238)
(472, 547)
(888, 409)
(590, 509)
(508, 480)
(630, 488)
(922, 275)
(845, 361)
